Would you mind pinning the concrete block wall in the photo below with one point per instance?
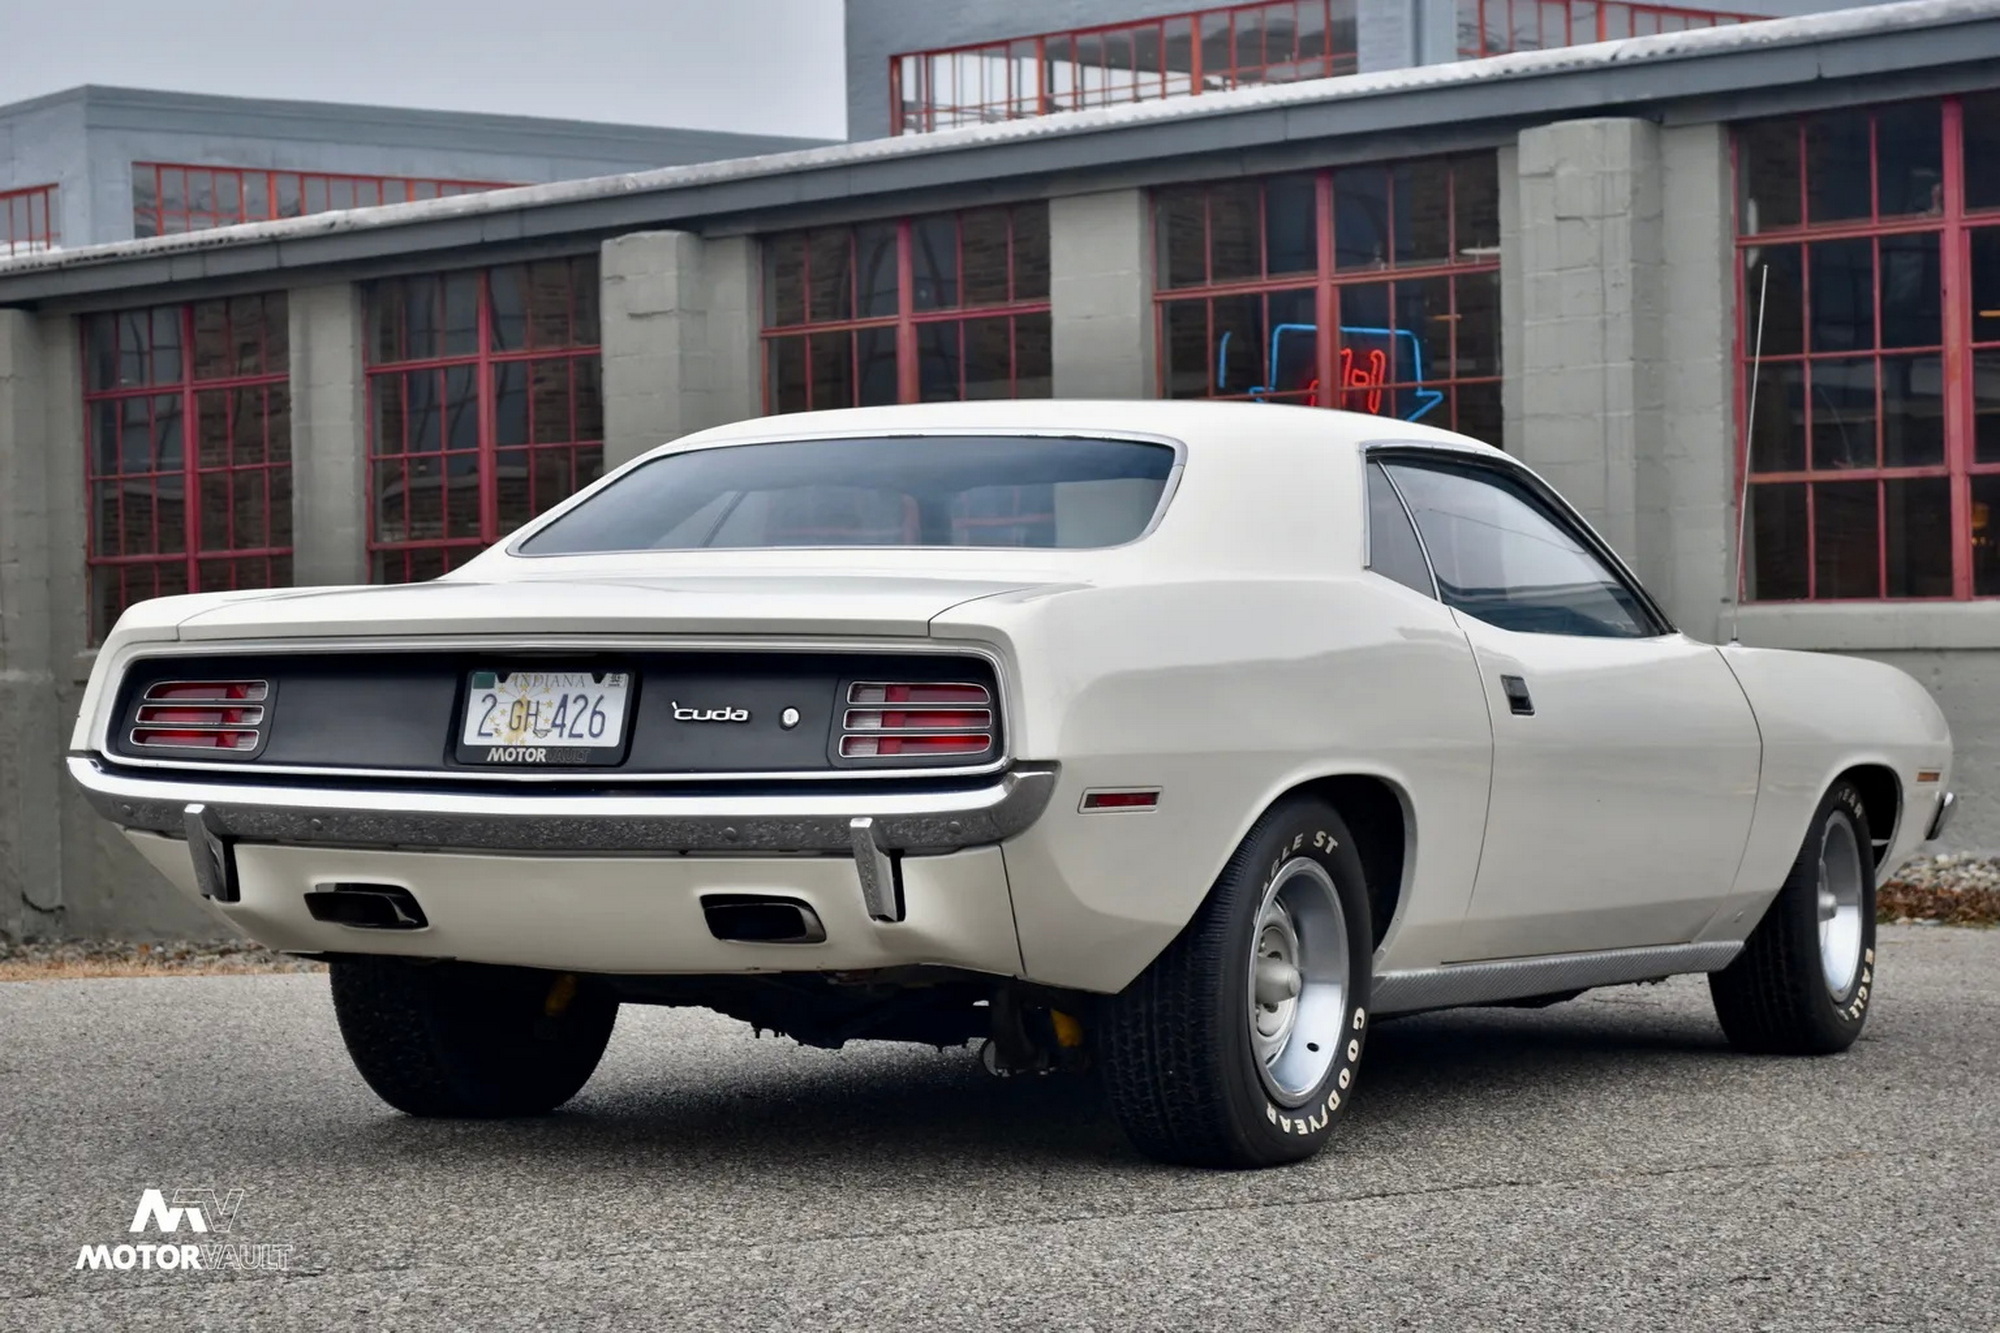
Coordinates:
(681, 349)
(1590, 303)
(329, 456)
(30, 747)
(1101, 296)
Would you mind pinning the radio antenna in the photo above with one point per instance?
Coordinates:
(1743, 490)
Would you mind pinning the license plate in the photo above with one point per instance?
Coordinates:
(544, 717)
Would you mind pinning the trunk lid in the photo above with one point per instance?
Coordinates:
(813, 603)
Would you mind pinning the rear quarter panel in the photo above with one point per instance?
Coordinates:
(1820, 715)
(1225, 694)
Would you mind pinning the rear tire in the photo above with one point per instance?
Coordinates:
(1805, 978)
(1239, 1045)
(462, 1039)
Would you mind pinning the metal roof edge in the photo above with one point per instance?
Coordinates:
(1844, 44)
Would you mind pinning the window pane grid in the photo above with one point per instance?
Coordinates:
(1177, 55)
(485, 407)
(30, 219)
(941, 307)
(171, 198)
(1497, 27)
(1402, 259)
(1865, 471)
(187, 430)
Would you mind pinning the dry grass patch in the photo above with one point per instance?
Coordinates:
(70, 960)
(1951, 890)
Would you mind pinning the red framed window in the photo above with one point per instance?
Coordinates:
(170, 197)
(1202, 50)
(1401, 260)
(188, 439)
(944, 307)
(1496, 27)
(30, 220)
(1873, 237)
(485, 407)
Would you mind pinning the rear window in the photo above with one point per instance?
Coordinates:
(1021, 491)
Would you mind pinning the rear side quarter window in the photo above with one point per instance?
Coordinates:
(1393, 549)
(1502, 554)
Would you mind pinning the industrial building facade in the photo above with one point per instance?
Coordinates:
(1562, 252)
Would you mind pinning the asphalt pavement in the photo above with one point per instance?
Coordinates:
(1605, 1164)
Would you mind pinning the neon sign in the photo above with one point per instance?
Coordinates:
(1363, 371)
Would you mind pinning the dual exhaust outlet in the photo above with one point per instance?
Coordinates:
(748, 918)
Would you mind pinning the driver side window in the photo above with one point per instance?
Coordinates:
(1502, 555)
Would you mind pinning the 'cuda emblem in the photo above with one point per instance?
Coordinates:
(710, 714)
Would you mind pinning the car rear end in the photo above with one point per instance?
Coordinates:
(632, 743)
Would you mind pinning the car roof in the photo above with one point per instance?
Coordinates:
(1197, 424)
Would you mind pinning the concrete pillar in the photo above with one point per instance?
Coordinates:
(84, 879)
(31, 743)
(329, 436)
(1101, 296)
(1396, 34)
(1591, 282)
(732, 276)
(680, 337)
(1513, 305)
(1687, 471)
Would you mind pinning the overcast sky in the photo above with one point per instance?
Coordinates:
(766, 66)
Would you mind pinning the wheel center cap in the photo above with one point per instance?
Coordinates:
(1277, 981)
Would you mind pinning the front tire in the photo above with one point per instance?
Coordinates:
(1805, 978)
(1239, 1045)
(462, 1039)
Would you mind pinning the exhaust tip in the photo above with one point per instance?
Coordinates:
(366, 906)
(758, 918)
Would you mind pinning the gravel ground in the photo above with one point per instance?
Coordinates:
(1959, 890)
(1604, 1164)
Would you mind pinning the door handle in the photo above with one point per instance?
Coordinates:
(1518, 699)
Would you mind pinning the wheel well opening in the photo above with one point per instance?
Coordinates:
(1882, 798)
(1373, 813)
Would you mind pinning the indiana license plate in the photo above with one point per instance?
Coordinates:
(544, 717)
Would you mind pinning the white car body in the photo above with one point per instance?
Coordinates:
(1635, 826)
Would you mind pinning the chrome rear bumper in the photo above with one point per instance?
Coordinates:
(868, 826)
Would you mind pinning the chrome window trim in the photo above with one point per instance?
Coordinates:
(101, 725)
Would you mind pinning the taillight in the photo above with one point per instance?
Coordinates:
(916, 720)
(225, 715)
(917, 692)
(172, 738)
(208, 691)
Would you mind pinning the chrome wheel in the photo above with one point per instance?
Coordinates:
(1841, 882)
(1298, 981)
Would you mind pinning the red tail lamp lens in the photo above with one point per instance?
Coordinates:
(208, 691)
(941, 719)
(194, 740)
(874, 747)
(167, 715)
(916, 692)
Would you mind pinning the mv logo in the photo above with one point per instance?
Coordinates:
(202, 1209)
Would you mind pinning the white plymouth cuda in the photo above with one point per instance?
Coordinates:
(1184, 739)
